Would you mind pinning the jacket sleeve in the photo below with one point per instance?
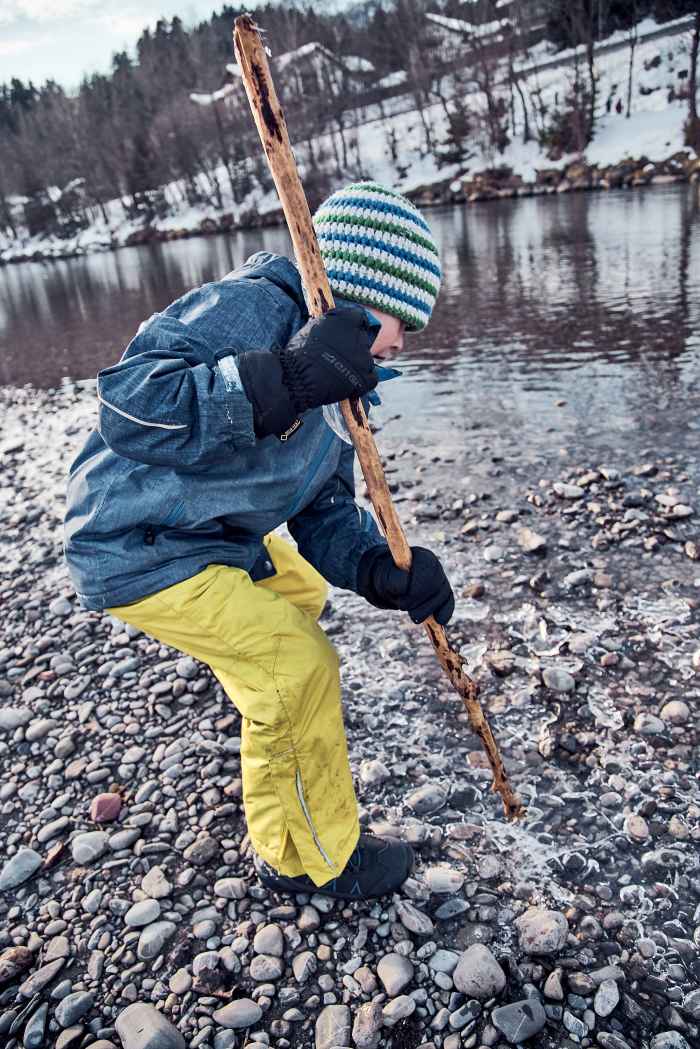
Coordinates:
(333, 532)
(170, 402)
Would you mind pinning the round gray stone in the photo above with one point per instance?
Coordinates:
(676, 712)
(180, 982)
(478, 974)
(142, 913)
(141, 1026)
(71, 1036)
(153, 939)
(444, 880)
(520, 1020)
(86, 848)
(649, 725)
(242, 1013)
(18, 868)
(606, 998)
(443, 961)
(669, 1040)
(428, 798)
(542, 931)
(368, 1023)
(612, 1041)
(374, 772)
(13, 717)
(39, 729)
(553, 988)
(265, 967)
(60, 606)
(395, 972)
(691, 1004)
(398, 1009)
(202, 851)
(413, 919)
(70, 1009)
(269, 940)
(187, 668)
(333, 1027)
(568, 491)
(231, 888)
(451, 908)
(304, 966)
(34, 1031)
(155, 884)
(558, 679)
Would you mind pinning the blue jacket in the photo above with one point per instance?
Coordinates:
(174, 478)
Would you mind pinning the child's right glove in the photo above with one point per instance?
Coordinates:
(326, 361)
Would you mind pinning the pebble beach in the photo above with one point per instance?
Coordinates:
(130, 915)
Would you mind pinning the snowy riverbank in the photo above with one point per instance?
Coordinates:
(626, 151)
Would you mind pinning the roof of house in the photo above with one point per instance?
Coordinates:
(352, 63)
(458, 25)
(206, 99)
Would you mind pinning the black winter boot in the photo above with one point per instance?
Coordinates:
(377, 866)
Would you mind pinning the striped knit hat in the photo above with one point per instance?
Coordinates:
(378, 249)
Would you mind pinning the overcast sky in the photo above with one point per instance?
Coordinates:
(64, 39)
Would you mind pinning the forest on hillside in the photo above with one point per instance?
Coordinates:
(124, 135)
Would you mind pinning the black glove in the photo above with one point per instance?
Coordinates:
(326, 361)
(422, 591)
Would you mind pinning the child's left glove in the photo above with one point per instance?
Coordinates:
(326, 361)
(422, 591)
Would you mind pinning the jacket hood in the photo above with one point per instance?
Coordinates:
(276, 268)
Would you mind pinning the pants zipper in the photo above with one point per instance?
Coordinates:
(307, 815)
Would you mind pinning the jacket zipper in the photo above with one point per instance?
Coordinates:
(311, 474)
(307, 815)
(292, 429)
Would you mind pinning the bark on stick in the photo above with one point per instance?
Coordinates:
(272, 128)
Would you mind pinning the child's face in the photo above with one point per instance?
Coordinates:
(389, 341)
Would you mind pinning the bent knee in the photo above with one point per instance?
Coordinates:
(308, 667)
(316, 596)
(317, 655)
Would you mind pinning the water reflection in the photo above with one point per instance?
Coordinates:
(592, 299)
(72, 317)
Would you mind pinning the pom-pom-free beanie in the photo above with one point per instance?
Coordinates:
(378, 250)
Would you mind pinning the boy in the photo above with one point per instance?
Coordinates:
(211, 434)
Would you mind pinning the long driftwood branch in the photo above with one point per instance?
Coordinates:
(272, 127)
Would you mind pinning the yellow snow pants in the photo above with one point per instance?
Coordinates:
(276, 664)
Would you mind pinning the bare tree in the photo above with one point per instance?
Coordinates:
(692, 133)
(517, 47)
(484, 57)
(633, 37)
(571, 129)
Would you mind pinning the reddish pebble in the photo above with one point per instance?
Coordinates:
(105, 808)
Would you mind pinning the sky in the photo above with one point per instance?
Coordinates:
(64, 39)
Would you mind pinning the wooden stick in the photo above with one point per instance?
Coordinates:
(272, 128)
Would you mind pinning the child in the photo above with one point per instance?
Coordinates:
(211, 434)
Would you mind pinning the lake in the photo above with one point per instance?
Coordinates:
(566, 317)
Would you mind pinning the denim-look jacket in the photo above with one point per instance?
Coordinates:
(174, 478)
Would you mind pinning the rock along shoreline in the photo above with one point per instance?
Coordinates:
(469, 188)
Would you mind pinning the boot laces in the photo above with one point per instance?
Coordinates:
(355, 861)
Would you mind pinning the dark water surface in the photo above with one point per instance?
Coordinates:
(588, 299)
